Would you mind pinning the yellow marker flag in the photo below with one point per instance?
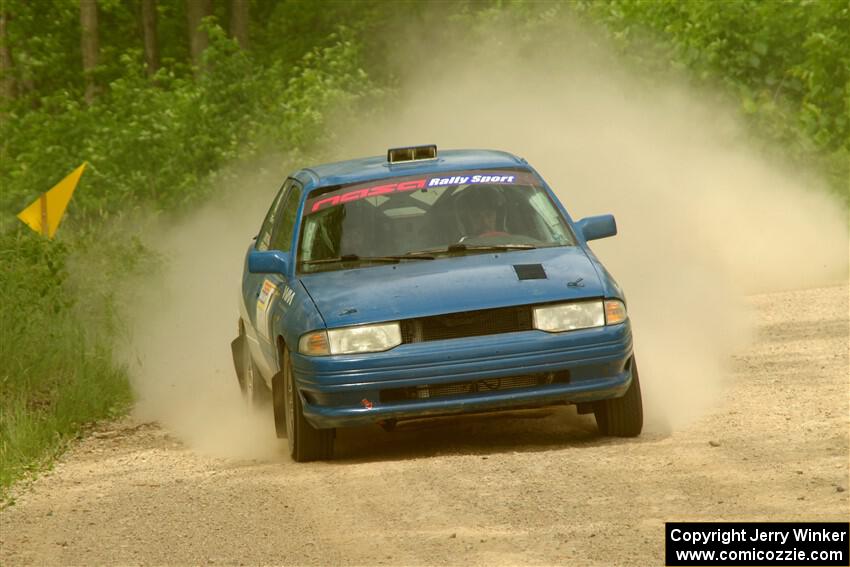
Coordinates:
(45, 214)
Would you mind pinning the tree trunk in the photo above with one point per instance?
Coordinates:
(239, 18)
(149, 34)
(197, 10)
(7, 78)
(88, 24)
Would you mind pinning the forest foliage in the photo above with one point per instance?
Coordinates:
(157, 113)
(785, 64)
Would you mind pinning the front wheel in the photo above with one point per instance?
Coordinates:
(306, 443)
(622, 417)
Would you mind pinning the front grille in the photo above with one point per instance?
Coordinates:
(475, 387)
(467, 324)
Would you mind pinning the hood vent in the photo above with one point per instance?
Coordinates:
(530, 271)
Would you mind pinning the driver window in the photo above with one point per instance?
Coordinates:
(282, 237)
(265, 235)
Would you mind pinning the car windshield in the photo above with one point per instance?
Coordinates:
(416, 218)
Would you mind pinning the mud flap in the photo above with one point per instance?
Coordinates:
(237, 347)
(279, 404)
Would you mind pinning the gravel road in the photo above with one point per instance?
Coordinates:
(526, 488)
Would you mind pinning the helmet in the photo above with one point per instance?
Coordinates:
(477, 199)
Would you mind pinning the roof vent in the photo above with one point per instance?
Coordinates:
(412, 153)
(530, 271)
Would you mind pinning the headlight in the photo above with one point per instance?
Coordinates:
(579, 315)
(351, 340)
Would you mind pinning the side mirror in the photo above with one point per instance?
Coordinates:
(601, 226)
(268, 262)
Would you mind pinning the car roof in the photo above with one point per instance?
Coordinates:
(377, 167)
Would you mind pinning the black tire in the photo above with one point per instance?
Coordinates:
(251, 383)
(622, 417)
(306, 443)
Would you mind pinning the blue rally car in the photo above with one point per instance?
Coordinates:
(423, 284)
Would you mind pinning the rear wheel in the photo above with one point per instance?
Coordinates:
(306, 443)
(622, 417)
(253, 388)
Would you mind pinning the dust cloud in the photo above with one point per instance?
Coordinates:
(703, 218)
(183, 319)
(703, 221)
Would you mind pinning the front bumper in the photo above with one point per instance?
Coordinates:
(347, 390)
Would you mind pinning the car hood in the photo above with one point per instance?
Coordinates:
(449, 285)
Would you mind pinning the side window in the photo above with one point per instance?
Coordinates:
(287, 213)
(265, 235)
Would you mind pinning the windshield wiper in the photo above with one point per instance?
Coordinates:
(461, 247)
(358, 258)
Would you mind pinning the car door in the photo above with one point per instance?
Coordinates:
(275, 288)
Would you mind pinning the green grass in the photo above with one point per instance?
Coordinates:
(35, 424)
(56, 374)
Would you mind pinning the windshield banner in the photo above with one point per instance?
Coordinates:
(359, 191)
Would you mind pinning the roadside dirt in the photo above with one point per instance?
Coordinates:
(532, 487)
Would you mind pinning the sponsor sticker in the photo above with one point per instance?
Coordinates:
(287, 295)
(264, 302)
(470, 179)
(368, 192)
